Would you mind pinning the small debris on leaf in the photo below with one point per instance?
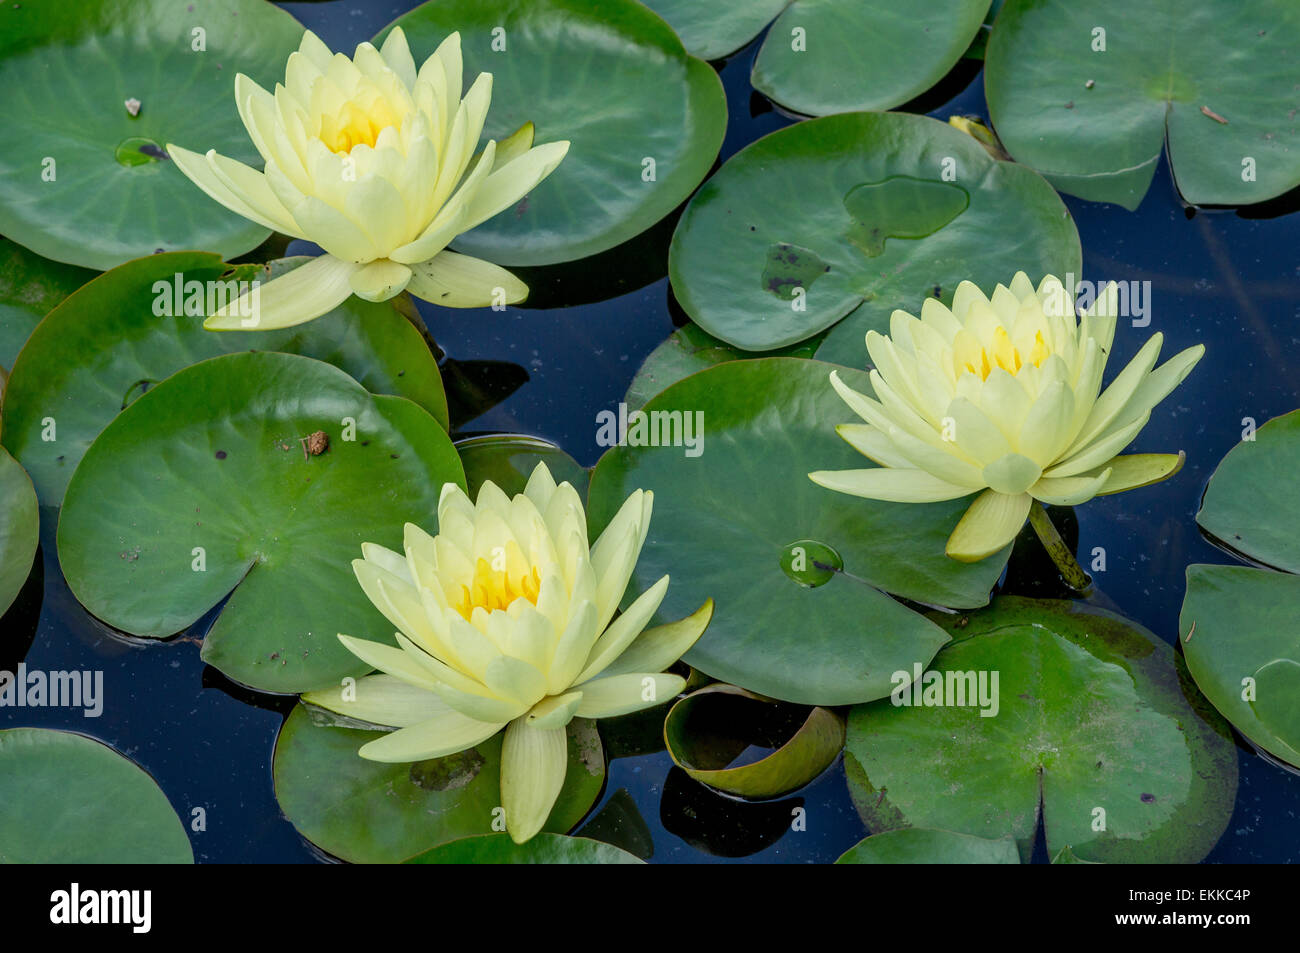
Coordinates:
(132, 106)
(1213, 115)
(315, 444)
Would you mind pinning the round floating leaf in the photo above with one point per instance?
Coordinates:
(831, 56)
(205, 484)
(107, 343)
(19, 528)
(916, 845)
(369, 812)
(689, 349)
(1089, 94)
(69, 799)
(711, 29)
(738, 520)
(509, 459)
(29, 287)
(89, 183)
(541, 849)
(645, 118)
(857, 215)
(1090, 723)
(708, 729)
(1244, 651)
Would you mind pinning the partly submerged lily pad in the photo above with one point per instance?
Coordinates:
(29, 287)
(741, 522)
(87, 182)
(709, 729)
(205, 484)
(645, 118)
(509, 459)
(370, 812)
(916, 845)
(69, 799)
(1090, 94)
(1092, 729)
(109, 342)
(1238, 624)
(19, 528)
(541, 849)
(850, 217)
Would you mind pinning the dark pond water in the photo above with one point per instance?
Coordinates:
(1226, 278)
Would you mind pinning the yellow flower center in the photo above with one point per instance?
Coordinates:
(1001, 353)
(494, 589)
(355, 125)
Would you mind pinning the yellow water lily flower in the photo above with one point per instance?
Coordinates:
(1002, 395)
(374, 161)
(507, 620)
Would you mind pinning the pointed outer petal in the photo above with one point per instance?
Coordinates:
(621, 528)
(380, 210)
(473, 649)
(302, 295)
(515, 680)
(967, 294)
(624, 694)
(452, 500)
(200, 171)
(533, 764)
(898, 369)
(421, 558)
(379, 280)
(1156, 386)
(870, 442)
(935, 314)
(554, 711)
(890, 485)
(397, 54)
(453, 69)
(1069, 491)
(1098, 453)
(862, 405)
(1137, 470)
(1006, 303)
(1112, 401)
(391, 661)
(381, 700)
(509, 183)
(525, 634)
(514, 145)
(540, 486)
(397, 600)
(1021, 286)
(1012, 474)
(335, 232)
(655, 649)
(624, 630)
(553, 601)
(573, 648)
(459, 281)
(246, 92)
(451, 220)
(991, 522)
(611, 581)
(447, 678)
(315, 49)
(438, 737)
(385, 558)
(1045, 432)
(974, 434)
(450, 156)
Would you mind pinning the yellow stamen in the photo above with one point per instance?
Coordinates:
(492, 589)
(1004, 355)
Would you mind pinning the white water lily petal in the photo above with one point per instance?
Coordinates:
(890, 484)
(554, 711)
(1069, 491)
(624, 694)
(991, 522)
(460, 281)
(444, 734)
(630, 623)
(533, 764)
(303, 294)
(380, 280)
(391, 661)
(657, 648)
(380, 700)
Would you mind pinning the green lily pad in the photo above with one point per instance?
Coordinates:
(101, 348)
(1067, 856)
(1097, 729)
(19, 528)
(833, 56)
(69, 799)
(508, 460)
(847, 218)
(689, 349)
(29, 287)
(1090, 94)
(645, 118)
(708, 729)
(738, 523)
(711, 29)
(204, 485)
(915, 845)
(1238, 624)
(369, 812)
(541, 849)
(88, 183)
